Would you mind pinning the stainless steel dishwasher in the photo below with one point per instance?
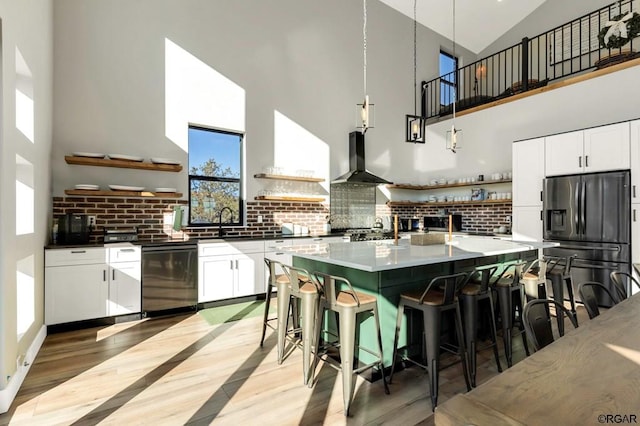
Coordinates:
(169, 278)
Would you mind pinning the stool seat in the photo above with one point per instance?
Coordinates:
(471, 289)
(348, 298)
(432, 298)
(282, 279)
(308, 287)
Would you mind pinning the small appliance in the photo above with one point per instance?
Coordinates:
(73, 228)
(120, 235)
(441, 223)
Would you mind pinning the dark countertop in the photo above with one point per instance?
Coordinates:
(170, 241)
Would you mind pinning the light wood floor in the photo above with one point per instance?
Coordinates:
(181, 370)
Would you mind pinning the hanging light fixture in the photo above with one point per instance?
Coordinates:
(454, 136)
(415, 124)
(365, 112)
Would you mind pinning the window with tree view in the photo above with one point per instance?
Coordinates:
(214, 176)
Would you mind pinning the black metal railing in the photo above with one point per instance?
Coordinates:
(568, 49)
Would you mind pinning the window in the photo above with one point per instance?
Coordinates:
(448, 78)
(214, 176)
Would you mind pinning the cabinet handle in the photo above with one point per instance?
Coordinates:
(541, 196)
(634, 215)
(279, 253)
(317, 239)
(78, 251)
(586, 161)
(236, 263)
(128, 250)
(580, 161)
(541, 218)
(231, 264)
(279, 241)
(104, 275)
(113, 275)
(634, 191)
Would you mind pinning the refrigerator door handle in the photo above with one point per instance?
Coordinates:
(583, 208)
(603, 248)
(576, 217)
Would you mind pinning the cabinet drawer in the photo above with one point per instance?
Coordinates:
(75, 256)
(248, 246)
(124, 254)
(276, 245)
(214, 249)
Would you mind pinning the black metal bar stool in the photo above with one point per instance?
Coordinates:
(510, 293)
(346, 304)
(473, 291)
(559, 273)
(440, 296)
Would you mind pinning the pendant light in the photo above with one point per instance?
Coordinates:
(365, 113)
(454, 136)
(415, 124)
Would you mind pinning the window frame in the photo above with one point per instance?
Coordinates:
(451, 85)
(239, 180)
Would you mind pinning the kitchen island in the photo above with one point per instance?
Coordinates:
(384, 269)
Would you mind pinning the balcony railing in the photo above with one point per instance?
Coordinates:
(555, 54)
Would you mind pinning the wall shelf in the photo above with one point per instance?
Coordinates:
(144, 194)
(285, 177)
(286, 198)
(123, 164)
(446, 185)
(446, 203)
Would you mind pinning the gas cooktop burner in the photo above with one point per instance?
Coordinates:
(368, 235)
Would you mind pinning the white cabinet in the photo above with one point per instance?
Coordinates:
(76, 285)
(635, 233)
(230, 269)
(527, 223)
(89, 283)
(635, 162)
(528, 172)
(592, 150)
(124, 280)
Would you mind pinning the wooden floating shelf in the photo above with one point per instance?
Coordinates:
(285, 177)
(284, 198)
(145, 194)
(446, 185)
(445, 203)
(123, 164)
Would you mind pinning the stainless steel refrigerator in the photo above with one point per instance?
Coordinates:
(589, 216)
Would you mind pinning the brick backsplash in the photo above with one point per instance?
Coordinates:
(153, 217)
(481, 217)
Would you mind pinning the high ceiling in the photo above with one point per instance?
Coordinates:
(478, 22)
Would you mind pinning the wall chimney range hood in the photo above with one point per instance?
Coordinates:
(357, 172)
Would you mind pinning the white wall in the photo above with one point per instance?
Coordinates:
(299, 60)
(26, 75)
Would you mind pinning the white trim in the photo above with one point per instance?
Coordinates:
(8, 394)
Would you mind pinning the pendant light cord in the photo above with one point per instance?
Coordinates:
(455, 70)
(364, 43)
(415, 78)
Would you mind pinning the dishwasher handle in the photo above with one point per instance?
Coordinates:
(166, 248)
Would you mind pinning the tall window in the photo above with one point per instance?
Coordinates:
(214, 176)
(448, 78)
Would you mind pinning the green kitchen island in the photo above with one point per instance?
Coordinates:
(384, 269)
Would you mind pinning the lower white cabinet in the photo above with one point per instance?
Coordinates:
(230, 269)
(84, 283)
(527, 223)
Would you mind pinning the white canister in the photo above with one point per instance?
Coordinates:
(297, 229)
(287, 228)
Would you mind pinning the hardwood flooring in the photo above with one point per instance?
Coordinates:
(181, 370)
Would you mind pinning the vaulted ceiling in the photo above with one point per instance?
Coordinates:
(478, 22)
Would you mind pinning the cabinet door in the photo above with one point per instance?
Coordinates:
(527, 223)
(635, 233)
(250, 274)
(216, 278)
(606, 148)
(635, 162)
(75, 293)
(528, 172)
(564, 154)
(124, 288)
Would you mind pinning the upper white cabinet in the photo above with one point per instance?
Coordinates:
(592, 150)
(528, 172)
(635, 163)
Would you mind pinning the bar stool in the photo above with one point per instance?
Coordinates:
(274, 279)
(509, 289)
(534, 280)
(346, 304)
(472, 292)
(559, 273)
(440, 296)
(300, 287)
(622, 283)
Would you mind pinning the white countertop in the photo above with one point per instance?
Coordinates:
(373, 256)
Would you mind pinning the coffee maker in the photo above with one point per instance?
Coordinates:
(73, 228)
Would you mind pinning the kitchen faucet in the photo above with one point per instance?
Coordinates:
(220, 231)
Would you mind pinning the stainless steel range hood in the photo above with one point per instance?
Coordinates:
(357, 172)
